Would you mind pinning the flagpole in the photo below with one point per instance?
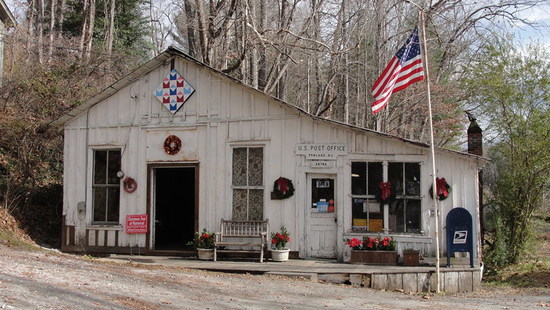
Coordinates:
(434, 186)
(385, 86)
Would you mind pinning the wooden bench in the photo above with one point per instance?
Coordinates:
(240, 233)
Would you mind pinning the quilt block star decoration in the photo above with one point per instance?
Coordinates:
(174, 91)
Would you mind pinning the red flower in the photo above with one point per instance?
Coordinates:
(203, 240)
(353, 243)
(371, 244)
(280, 239)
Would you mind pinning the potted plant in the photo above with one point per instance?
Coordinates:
(411, 257)
(373, 250)
(204, 242)
(279, 251)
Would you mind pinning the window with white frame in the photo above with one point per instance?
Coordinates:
(403, 213)
(247, 183)
(106, 186)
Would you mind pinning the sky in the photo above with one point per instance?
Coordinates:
(541, 15)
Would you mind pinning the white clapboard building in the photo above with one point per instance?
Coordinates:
(176, 146)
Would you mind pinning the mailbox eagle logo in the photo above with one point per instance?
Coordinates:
(460, 237)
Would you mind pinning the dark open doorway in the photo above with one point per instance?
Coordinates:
(175, 207)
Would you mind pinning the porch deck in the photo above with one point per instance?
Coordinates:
(458, 278)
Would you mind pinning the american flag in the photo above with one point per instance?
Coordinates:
(404, 69)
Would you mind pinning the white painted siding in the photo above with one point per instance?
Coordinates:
(222, 114)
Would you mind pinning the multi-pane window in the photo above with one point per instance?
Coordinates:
(106, 186)
(405, 210)
(404, 204)
(247, 183)
(366, 211)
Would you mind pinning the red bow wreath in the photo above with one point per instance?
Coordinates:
(443, 189)
(385, 192)
(282, 188)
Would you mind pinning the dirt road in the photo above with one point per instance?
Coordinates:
(31, 279)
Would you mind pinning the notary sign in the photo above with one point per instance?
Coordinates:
(136, 224)
(321, 151)
(459, 233)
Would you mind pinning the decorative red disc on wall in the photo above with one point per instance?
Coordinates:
(172, 145)
(130, 185)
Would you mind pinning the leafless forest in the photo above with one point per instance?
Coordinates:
(321, 55)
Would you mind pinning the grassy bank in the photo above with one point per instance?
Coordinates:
(534, 268)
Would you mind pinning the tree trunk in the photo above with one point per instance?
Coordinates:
(262, 61)
(90, 30)
(84, 27)
(191, 16)
(61, 18)
(31, 26)
(40, 31)
(203, 32)
(345, 60)
(254, 53)
(111, 28)
(53, 7)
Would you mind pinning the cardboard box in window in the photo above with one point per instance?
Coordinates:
(376, 225)
(359, 224)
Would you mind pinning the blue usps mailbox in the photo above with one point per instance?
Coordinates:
(459, 234)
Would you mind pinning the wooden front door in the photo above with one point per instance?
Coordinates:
(321, 212)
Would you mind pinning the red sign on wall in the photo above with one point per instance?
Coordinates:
(136, 224)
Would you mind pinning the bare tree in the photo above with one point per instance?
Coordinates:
(60, 16)
(110, 33)
(87, 30)
(40, 30)
(84, 28)
(160, 23)
(53, 7)
(332, 51)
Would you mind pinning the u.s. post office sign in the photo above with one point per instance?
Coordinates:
(321, 151)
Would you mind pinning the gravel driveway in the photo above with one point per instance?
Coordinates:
(44, 279)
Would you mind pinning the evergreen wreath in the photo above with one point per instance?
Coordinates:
(282, 188)
(443, 189)
(172, 145)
